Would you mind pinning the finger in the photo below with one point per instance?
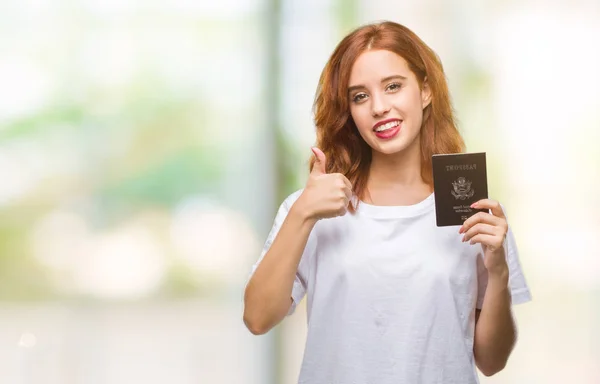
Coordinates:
(347, 182)
(348, 193)
(343, 183)
(480, 217)
(487, 240)
(480, 228)
(493, 205)
(320, 165)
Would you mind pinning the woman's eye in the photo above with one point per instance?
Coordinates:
(359, 97)
(394, 87)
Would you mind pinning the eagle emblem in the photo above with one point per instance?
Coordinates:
(462, 189)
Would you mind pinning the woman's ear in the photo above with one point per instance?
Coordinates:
(425, 93)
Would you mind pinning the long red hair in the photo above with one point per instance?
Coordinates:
(337, 136)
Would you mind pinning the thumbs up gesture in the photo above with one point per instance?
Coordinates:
(325, 195)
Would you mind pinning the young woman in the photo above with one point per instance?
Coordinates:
(392, 298)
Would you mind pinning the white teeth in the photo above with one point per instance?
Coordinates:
(387, 126)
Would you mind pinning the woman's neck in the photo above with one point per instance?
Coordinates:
(396, 179)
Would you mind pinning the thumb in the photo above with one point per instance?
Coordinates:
(320, 165)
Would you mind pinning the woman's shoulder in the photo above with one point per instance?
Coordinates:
(291, 199)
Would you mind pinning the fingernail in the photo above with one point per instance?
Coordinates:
(473, 205)
(463, 239)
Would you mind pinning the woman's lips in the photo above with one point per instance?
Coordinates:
(389, 133)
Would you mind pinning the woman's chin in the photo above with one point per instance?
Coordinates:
(389, 149)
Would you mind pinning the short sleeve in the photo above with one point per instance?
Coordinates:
(302, 274)
(518, 286)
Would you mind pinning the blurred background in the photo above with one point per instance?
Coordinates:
(146, 145)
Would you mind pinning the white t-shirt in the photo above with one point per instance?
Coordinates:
(391, 296)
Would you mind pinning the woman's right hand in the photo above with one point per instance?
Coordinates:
(325, 195)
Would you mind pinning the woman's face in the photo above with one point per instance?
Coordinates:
(386, 101)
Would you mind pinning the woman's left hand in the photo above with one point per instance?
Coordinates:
(490, 231)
